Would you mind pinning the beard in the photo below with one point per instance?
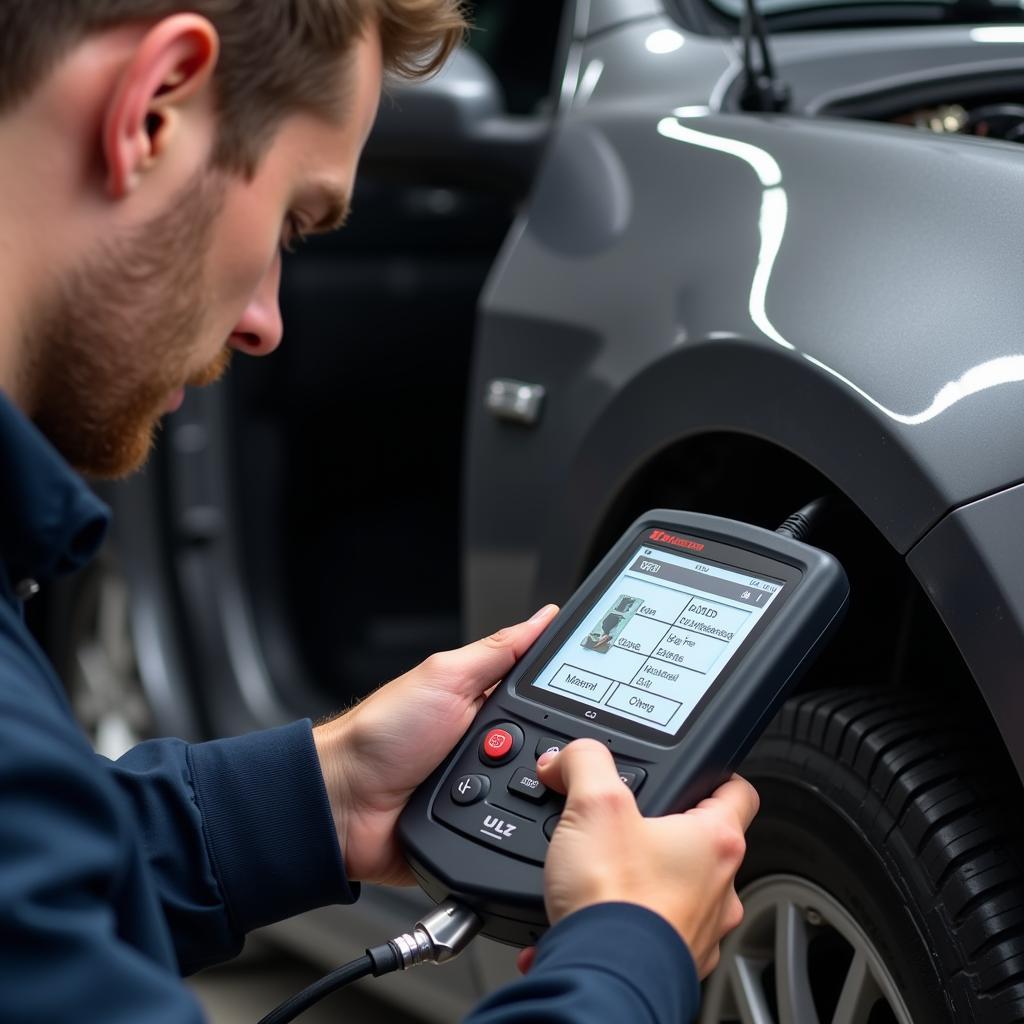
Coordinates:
(117, 336)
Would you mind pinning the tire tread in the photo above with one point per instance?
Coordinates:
(924, 773)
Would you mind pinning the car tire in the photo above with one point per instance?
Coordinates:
(884, 880)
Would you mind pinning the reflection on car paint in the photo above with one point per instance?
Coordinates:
(774, 211)
(588, 81)
(989, 374)
(772, 227)
(664, 40)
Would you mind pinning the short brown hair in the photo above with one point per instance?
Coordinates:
(277, 56)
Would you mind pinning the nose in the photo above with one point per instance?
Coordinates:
(260, 329)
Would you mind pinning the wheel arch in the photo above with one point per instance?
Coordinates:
(743, 389)
(765, 435)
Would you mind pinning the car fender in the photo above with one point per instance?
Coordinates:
(846, 291)
(969, 561)
(972, 567)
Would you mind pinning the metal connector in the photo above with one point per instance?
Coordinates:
(439, 936)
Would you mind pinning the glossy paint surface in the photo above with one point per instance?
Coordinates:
(846, 290)
(970, 565)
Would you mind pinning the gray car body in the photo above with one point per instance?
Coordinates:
(847, 291)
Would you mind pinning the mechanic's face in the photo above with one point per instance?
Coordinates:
(121, 332)
(162, 307)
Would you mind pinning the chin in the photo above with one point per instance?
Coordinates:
(116, 459)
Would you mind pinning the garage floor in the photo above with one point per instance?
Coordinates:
(243, 991)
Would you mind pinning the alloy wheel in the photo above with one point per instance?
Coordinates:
(800, 957)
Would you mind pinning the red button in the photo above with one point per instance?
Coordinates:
(497, 743)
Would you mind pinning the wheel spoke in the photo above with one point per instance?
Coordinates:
(748, 992)
(769, 970)
(793, 983)
(860, 993)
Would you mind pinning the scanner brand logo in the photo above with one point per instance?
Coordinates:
(677, 542)
(496, 827)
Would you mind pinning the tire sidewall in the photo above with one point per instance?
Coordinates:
(851, 849)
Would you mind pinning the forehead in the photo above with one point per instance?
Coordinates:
(317, 143)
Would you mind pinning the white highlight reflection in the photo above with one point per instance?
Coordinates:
(990, 374)
(588, 81)
(665, 40)
(774, 211)
(692, 111)
(772, 228)
(468, 90)
(998, 34)
(763, 163)
(772, 225)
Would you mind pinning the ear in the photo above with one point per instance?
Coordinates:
(173, 63)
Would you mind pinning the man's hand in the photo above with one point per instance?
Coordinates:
(374, 756)
(682, 866)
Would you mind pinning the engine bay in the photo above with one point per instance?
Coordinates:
(995, 118)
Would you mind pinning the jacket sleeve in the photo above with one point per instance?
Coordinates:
(608, 963)
(63, 959)
(238, 834)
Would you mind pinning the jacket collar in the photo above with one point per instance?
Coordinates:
(50, 522)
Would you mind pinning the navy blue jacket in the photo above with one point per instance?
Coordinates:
(118, 877)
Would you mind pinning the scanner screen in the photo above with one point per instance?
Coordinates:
(657, 637)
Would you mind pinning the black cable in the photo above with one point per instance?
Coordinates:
(803, 521)
(438, 936)
(761, 90)
(767, 67)
(376, 961)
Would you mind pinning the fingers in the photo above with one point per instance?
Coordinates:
(586, 772)
(732, 916)
(478, 666)
(706, 966)
(737, 799)
(585, 769)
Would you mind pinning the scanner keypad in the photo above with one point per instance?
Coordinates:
(513, 810)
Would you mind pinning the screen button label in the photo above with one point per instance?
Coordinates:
(665, 606)
(691, 650)
(582, 684)
(642, 704)
(713, 619)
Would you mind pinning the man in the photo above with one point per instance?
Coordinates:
(155, 155)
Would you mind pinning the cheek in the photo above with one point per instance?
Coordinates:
(245, 249)
(240, 268)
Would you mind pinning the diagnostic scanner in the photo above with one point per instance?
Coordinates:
(675, 652)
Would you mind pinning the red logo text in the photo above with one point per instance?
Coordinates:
(677, 542)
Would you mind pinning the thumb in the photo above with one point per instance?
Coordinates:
(586, 772)
(475, 668)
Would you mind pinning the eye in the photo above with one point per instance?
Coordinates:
(292, 234)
